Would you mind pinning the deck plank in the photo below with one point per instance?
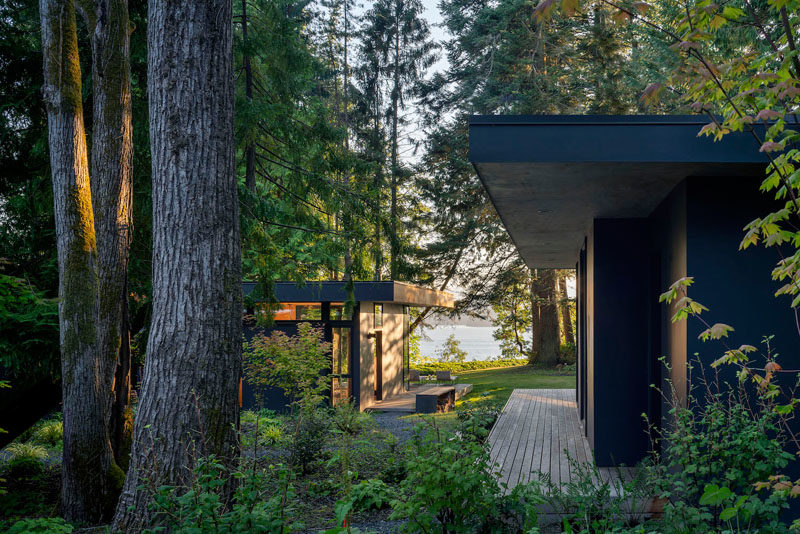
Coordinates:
(537, 431)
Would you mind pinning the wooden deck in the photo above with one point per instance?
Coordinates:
(406, 401)
(535, 431)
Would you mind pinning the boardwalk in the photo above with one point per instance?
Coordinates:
(532, 434)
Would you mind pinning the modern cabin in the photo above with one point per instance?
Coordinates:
(370, 354)
(634, 203)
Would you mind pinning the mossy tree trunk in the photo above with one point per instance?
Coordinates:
(189, 391)
(112, 195)
(88, 464)
(549, 339)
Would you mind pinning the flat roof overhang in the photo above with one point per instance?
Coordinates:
(550, 176)
(335, 291)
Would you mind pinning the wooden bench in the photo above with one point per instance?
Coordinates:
(438, 399)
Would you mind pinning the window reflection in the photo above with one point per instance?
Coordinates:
(338, 312)
(340, 370)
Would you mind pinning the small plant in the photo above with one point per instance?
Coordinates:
(263, 501)
(477, 421)
(372, 494)
(26, 450)
(311, 429)
(449, 485)
(48, 525)
(50, 434)
(294, 364)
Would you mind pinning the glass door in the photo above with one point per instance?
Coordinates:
(341, 387)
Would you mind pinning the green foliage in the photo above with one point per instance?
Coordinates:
(372, 494)
(428, 367)
(310, 430)
(512, 315)
(715, 454)
(49, 525)
(260, 429)
(591, 502)
(477, 421)
(26, 450)
(449, 485)
(293, 363)
(451, 351)
(29, 345)
(262, 502)
(50, 434)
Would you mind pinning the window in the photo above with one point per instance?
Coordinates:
(340, 369)
(338, 312)
(299, 311)
(378, 315)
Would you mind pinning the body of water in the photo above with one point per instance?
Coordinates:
(476, 341)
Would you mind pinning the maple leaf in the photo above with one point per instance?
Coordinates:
(770, 146)
(768, 115)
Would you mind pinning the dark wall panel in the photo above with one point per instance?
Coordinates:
(621, 284)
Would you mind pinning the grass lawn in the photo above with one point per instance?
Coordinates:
(494, 386)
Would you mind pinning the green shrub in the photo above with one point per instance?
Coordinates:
(263, 502)
(429, 367)
(721, 442)
(28, 332)
(477, 420)
(449, 485)
(567, 353)
(26, 450)
(294, 364)
(50, 434)
(49, 525)
(372, 494)
(264, 425)
(311, 430)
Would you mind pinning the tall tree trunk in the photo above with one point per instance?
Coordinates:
(536, 308)
(250, 150)
(563, 303)
(189, 401)
(549, 340)
(112, 198)
(395, 110)
(88, 464)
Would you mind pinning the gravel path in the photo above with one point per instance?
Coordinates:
(391, 422)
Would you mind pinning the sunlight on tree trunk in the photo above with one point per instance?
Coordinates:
(88, 463)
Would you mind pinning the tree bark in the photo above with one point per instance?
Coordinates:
(112, 199)
(189, 401)
(566, 319)
(88, 468)
(536, 326)
(549, 340)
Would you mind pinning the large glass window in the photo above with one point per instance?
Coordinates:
(341, 389)
(299, 311)
(338, 312)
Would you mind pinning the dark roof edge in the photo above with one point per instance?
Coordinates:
(606, 120)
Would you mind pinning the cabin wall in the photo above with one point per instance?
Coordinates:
(619, 342)
(392, 349)
(366, 378)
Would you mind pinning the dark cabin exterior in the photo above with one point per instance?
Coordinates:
(370, 356)
(633, 204)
